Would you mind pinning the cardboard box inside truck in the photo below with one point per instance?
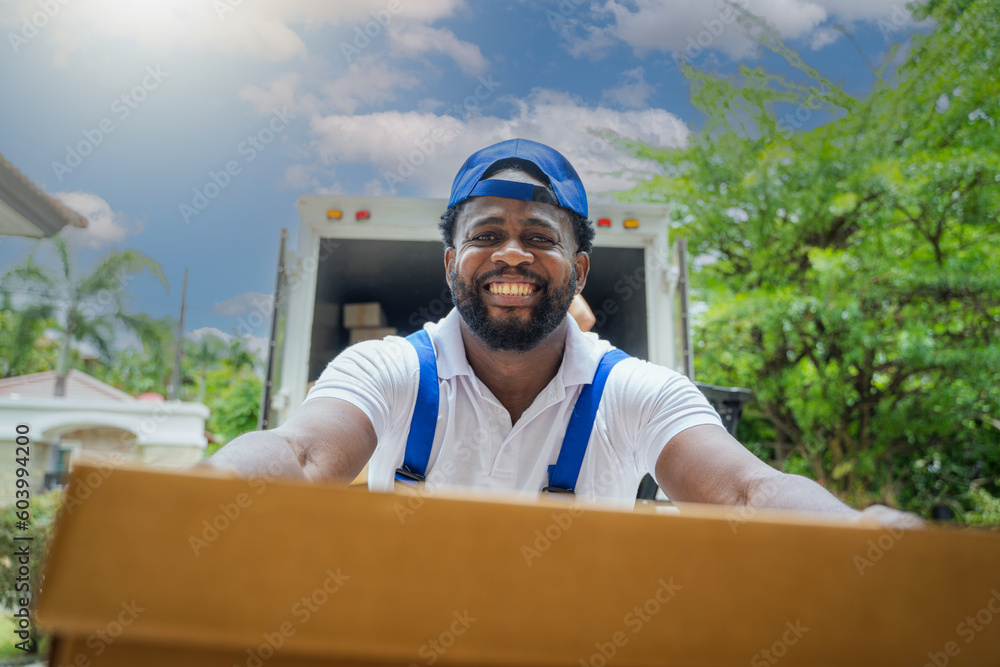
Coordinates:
(199, 570)
(363, 315)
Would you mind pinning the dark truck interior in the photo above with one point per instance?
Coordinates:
(407, 278)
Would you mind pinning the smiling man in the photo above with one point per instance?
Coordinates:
(506, 392)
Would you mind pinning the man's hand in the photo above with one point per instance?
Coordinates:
(212, 467)
(327, 439)
(880, 515)
(705, 464)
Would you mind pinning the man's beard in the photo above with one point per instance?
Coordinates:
(509, 332)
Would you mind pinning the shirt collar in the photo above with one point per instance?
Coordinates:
(580, 356)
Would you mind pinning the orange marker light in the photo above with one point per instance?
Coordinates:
(334, 214)
(604, 222)
(631, 223)
(362, 215)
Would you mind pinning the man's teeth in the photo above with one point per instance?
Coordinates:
(514, 289)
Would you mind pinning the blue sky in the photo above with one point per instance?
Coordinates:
(132, 112)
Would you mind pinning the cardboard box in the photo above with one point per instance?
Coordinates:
(359, 334)
(364, 315)
(199, 570)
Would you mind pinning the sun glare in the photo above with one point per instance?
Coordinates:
(155, 21)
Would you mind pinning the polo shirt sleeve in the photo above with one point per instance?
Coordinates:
(377, 377)
(655, 404)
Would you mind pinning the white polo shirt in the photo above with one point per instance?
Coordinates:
(475, 444)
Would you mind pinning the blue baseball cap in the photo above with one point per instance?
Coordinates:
(566, 189)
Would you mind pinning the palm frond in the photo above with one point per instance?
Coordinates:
(63, 251)
(27, 274)
(115, 270)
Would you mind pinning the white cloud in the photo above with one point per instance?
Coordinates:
(690, 28)
(424, 150)
(200, 334)
(251, 29)
(824, 37)
(419, 39)
(312, 179)
(280, 94)
(261, 30)
(103, 224)
(299, 177)
(361, 12)
(682, 27)
(256, 344)
(593, 44)
(370, 81)
(632, 92)
(243, 304)
(376, 188)
(893, 11)
(260, 37)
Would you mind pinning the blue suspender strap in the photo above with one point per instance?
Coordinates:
(563, 478)
(425, 413)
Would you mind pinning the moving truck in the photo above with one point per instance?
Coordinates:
(388, 251)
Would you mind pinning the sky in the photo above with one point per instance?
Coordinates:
(187, 129)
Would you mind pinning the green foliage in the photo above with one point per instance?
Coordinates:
(206, 354)
(43, 508)
(146, 369)
(851, 269)
(234, 398)
(224, 377)
(988, 509)
(23, 346)
(85, 308)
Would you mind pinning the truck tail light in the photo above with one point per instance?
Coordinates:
(604, 222)
(334, 214)
(631, 223)
(363, 214)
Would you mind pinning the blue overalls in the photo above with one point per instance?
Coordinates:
(562, 476)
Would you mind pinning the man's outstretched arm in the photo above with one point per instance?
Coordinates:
(327, 439)
(705, 464)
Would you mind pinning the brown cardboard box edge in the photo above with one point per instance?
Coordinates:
(363, 315)
(550, 582)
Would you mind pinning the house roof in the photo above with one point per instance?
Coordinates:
(79, 386)
(27, 211)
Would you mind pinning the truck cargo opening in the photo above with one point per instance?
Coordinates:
(389, 263)
(406, 278)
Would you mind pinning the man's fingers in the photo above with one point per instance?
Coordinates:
(886, 516)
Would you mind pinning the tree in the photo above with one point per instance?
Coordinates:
(206, 354)
(850, 270)
(23, 346)
(227, 382)
(137, 370)
(241, 356)
(234, 401)
(87, 308)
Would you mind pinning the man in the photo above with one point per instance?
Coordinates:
(488, 397)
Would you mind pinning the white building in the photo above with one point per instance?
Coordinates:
(93, 418)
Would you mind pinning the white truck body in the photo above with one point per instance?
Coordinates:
(392, 253)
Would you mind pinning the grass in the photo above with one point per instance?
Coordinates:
(8, 639)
